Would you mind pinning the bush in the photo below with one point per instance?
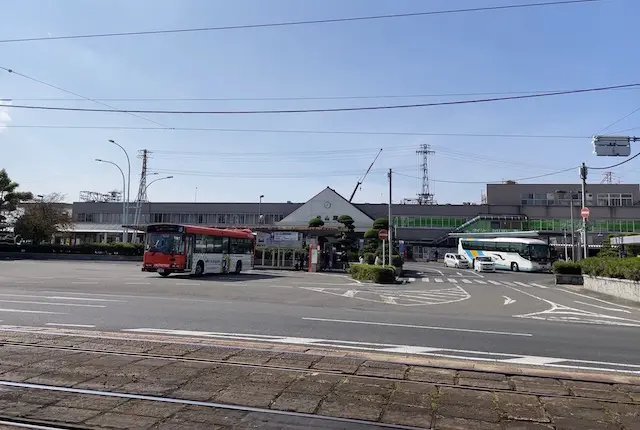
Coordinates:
(567, 268)
(369, 272)
(369, 257)
(397, 260)
(618, 268)
(115, 248)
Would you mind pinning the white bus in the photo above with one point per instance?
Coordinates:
(509, 253)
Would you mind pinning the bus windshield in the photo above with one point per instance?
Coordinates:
(539, 253)
(167, 243)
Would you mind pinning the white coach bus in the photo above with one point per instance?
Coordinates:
(509, 253)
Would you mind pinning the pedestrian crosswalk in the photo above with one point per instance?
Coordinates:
(458, 281)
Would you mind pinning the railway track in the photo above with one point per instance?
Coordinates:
(303, 371)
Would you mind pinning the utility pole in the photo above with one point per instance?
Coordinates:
(390, 238)
(583, 176)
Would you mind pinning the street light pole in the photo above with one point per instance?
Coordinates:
(260, 209)
(128, 191)
(149, 201)
(573, 229)
(124, 203)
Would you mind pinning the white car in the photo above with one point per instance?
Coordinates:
(455, 260)
(484, 264)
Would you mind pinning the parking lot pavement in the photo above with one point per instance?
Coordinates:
(101, 381)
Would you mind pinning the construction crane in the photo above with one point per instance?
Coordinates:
(364, 176)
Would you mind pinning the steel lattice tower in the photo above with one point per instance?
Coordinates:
(142, 188)
(425, 197)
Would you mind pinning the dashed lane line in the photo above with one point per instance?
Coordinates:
(466, 281)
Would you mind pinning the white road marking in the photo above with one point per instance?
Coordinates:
(539, 286)
(31, 312)
(522, 284)
(466, 281)
(70, 325)
(78, 305)
(494, 282)
(479, 281)
(423, 327)
(188, 283)
(603, 307)
(412, 279)
(81, 298)
(84, 282)
(508, 301)
(137, 283)
(598, 300)
(438, 280)
(350, 293)
(536, 361)
(29, 282)
(425, 279)
(389, 300)
(410, 349)
(453, 281)
(459, 274)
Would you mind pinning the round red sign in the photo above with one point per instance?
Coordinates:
(383, 234)
(585, 212)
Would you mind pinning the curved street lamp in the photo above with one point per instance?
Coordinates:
(124, 202)
(128, 198)
(148, 201)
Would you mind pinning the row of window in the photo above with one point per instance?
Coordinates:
(564, 199)
(428, 222)
(520, 248)
(209, 219)
(220, 245)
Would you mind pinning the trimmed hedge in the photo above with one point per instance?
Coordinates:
(617, 268)
(370, 272)
(115, 248)
(567, 268)
(396, 259)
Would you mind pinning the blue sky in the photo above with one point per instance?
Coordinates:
(561, 47)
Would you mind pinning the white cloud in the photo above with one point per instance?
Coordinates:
(5, 118)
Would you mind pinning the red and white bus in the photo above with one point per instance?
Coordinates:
(179, 248)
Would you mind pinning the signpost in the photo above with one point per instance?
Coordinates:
(383, 235)
(584, 212)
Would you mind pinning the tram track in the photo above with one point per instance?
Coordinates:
(302, 371)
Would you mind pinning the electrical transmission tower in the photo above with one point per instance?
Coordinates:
(608, 178)
(142, 188)
(425, 197)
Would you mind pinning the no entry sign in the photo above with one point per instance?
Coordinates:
(584, 212)
(383, 234)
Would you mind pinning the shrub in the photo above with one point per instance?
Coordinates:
(369, 257)
(397, 260)
(567, 268)
(618, 268)
(369, 272)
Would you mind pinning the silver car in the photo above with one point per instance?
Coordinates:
(484, 264)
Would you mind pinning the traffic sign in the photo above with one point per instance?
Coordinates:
(383, 234)
(584, 212)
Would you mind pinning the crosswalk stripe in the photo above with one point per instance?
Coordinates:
(466, 281)
(425, 279)
(412, 279)
(494, 282)
(453, 281)
(439, 280)
(538, 285)
(480, 281)
(459, 274)
(522, 284)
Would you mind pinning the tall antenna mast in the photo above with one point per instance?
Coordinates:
(142, 188)
(425, 197)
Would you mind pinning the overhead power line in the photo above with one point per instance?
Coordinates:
(615, 165)
(498, 181)
(284, 131)
(298, 23)
(619, 120)
(321, 110)
(290, 98)
(111, 108)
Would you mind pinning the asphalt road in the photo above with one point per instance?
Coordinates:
(473, 315)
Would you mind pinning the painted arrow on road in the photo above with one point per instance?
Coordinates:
(508, 301)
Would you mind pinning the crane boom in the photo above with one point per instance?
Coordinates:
(364, 176)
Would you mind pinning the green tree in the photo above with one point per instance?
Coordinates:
(43, 219)
(607, 250)
(381, 224)
(316, 222)
(10, 197)
(348, 238)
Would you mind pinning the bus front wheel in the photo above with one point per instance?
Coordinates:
(514, 267)
(164, 273)
(199, 268)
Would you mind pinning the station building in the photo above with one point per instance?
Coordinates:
(614, 208)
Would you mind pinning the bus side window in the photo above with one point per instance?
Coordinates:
(201, 245)
(234, 246)
(216, 244)
(225, 245)
(209, 242)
